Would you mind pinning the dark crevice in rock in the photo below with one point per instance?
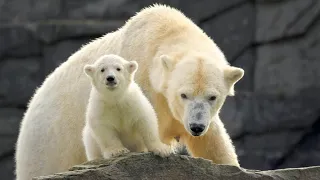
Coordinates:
(242, 135)
(269, 1)
(312, 132)
(42, 70)
(279, 40)
(234, 6)
(18, 42)
(77, 38)
(4, 135)
(289, 38)
(17, 56)
(62, 22)
(90, 38)
(241, 52)
(7, 154)
(255, 57)
(11, 105)
(49, 33)
(300, 15)
(14, 56)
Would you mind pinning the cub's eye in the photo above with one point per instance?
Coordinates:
(212, 98)
(118, 69)
(183, 96)
(102, 70)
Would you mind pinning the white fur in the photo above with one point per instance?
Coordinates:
(50, 138)
(122, 119)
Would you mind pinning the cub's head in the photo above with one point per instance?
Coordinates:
(196, 88)
(111, 73)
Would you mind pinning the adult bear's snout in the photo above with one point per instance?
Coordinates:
(197, 129)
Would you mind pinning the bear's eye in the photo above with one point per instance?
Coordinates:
(102, 70)
(183, 96)
(212, 98)
(118, 69)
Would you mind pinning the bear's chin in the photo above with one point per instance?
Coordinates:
(111, 88)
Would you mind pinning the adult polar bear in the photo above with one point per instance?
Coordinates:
(182, 71)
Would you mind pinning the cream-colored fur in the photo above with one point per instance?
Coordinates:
(119, 118)
(174, 55)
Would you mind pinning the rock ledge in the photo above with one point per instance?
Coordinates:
(175, 167)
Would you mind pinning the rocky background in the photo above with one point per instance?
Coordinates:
(274, 119)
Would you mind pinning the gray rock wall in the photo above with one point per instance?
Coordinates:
(274, 119)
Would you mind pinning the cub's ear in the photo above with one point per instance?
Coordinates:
(167, 62)
(88, 69)
(132, 66)
(232, 75)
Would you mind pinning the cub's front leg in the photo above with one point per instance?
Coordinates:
(92, 149)
(108, 140)
(150, 135)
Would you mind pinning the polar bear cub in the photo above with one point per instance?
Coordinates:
(119, 118)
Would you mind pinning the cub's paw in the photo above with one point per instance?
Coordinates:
(162, 150)
(115, 152)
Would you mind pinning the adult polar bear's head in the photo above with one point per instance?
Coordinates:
(111, 73)
(196, 88)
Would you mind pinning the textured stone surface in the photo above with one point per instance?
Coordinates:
(9, 128)
(59, 30)
(15, 38)
(232, 31)
(274, 117)
(203, 10)
(7, 168)
(15, 11)
(290, 67)
(280, 19)
(9, 118)
(247, 62)
(250, 113)
(7, 146)
(266, 144)
(56, 54)
(141, 166)
(236, 112)
(306, 152)
(18, 80)
(277, 113)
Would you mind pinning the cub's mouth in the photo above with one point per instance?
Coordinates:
(111, 82)
(111, 85)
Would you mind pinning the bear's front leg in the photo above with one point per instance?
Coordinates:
(109, 142)
(168, 127)
(214, 145)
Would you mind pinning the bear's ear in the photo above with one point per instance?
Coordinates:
(166, 62)
(132, 66)
(88, 69)
(232, 75)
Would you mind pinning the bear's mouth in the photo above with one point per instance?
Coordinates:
(111, 85)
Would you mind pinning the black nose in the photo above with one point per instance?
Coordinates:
(197, 128)
(110, 78)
